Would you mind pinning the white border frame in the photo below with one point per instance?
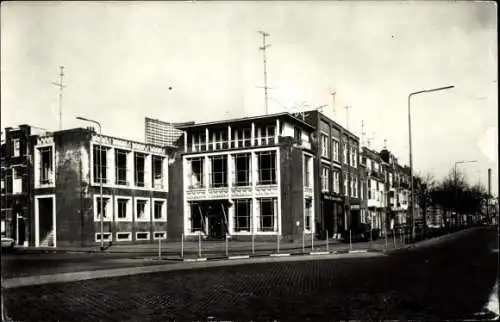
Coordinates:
(143, 232)
(147, 209)
(160, 232)
(110, 199)
(129, 214)
(122, 239)
(37, 218)
(163, 210)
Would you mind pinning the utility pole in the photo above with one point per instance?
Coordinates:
(61, 86)
(348, 154)
(263, 48)
(363, 134)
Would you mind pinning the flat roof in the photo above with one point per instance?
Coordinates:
(246, 119)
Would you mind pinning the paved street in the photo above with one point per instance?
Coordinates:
(452, 279)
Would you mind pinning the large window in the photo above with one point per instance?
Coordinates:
(297, 133)
(122, 205)
(46, 165)
(266, 162)
(268, 210)
(16, 147)
(335, 148)
(121, 166)
(324, 146)
(199, 142)
(219, 171)
(219, 140)
(105, 205)
(325, 179)
(159, 210)
(158, 171)
(336, 181)
(196, 218)
(242, 215)
(307, 171)
(242, 169)
(196, 173)
(141, 210)
(267, 134)
(346, 191)
(140, 169)
(99, 164)
(308, 214)
(344, 152)
(242, 138)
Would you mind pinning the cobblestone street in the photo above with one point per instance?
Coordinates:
(448, 280)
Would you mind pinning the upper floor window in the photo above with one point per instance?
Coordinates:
(354, 154)
(345, 154)
(297, 133)
(199, 142)
(46, 165)
(268, 135)
(121, 166)
(346, 182)
(242, 169)
(335, 148)
(336, 182)
(266, 167)
(100, 164)
(325, 179)
(219, 140)
(242, 138)
(140, 169)
(307, 171)
(324, 146)
(196, 174)
(219, 171)
(158, 171)
(16, 147)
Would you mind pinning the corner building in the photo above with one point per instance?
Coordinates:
(244, 178)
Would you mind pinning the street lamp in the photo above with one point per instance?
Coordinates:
(455, 175)
(411, 153)
(100, 177)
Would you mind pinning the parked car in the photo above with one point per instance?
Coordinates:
(7, 242)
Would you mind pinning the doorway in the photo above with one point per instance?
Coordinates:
(45, 221)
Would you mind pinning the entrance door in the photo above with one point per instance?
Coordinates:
(216, 227)
(45, 233)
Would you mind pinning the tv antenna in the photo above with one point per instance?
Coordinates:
(263, 48)
(61, 87)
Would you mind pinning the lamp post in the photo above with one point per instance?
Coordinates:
(455, 175)
(411, 153)
(100, 177)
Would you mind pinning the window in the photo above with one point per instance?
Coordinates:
(361, 190)
(297, 133)
(121, 166)
(160, 235)
(122, 208)
(196, 175)
(325, 179)
(219, 171)
(344, 150)
(123, 236)
(308, 214)
(242, 138)
(107, 215)
(100, 161)
(158, 171)
(268, 135)
(354, 154)
(142, 210)
(266, 167)
(140, 169)
(354, 181)
(242, 215)
(324, 146)
(142, 235)
(199, 142)
(242, 169)
(336, 182)
(16, 147)
(345, 184)
(196, 218)
(107, 237)
(218, 140)
(46, 165)
(159, 212)
(307, 171)
(369, 188)
(335, 148)
(17, 180)
(267, 214)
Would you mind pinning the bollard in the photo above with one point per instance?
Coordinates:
(227, 246)
(182, 245)
(326, 240)
(199, 244)
(303, 242)
(253, 244)
(350, 239)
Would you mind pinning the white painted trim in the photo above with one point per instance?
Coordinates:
(148, 234)
(129, 212)
(225, 152)
(110, 211)
(280, 255)
(278, 182)
(160, 232)
(239, 257)
(129, 238)
(37, 218)
(110, 238)
(163, 210)
(147, 209)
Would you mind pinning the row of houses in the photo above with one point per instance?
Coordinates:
(263, 176)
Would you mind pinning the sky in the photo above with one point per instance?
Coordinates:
(121, 58)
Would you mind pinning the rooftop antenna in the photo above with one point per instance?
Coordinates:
(385, 144)
(363, 134)
(347, 107)
(61, 86)
(333, 103)
(371, 140)
(263, 48)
